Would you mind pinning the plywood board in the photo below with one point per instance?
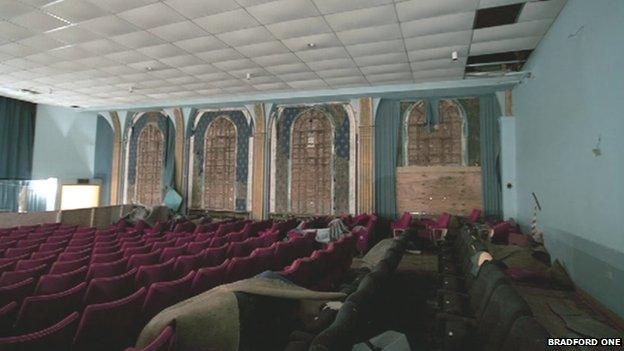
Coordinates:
(436, 189)
(12, 219)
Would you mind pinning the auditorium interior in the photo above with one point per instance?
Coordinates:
(267, 175)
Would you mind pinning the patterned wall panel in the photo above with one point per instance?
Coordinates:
(244, 130)
(164, 126)
(341, 154)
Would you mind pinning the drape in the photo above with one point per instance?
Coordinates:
(489, 113)
(103, 160)
(387, 126)
(169, 177)
(17, 133)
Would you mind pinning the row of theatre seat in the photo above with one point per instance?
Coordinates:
(92, 289)
(357, 309)
(477, 306)
(333, 260)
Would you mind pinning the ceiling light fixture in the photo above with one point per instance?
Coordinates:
(454, 56)
(248, 76)
(148, 68)
(311, 45)
(29, 91)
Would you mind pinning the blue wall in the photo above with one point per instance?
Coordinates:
(577, 95)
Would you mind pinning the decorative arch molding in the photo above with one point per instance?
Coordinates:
(416, 122)
(136, 122)
(343, 119)
(196, 133)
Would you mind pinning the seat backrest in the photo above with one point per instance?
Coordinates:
(30, 242)
(475, 215)
(149, 274)
(164, 294)
(19, 251)
(8, 266)
(81, 241)
(35, 262)
(39, 312)
(198, 246)
(186, 263)
(69, 266)
(110, 325)
(503, 309)
(102, 250)
(143, 249)
(215, 256)
(137, 260)
(185, 240)
(405, 220)
(444, 221)
(239, 249)
(219, 241)
(488, 279)
(42, 254)
(76, 255)
(4, 260)
(237, 236)
(8, 278)
(283, 255)
(209, 277)
(296, 272)
(8, 312)
(106, 257)
(7, 244)
(240, 268)
(163, 342)
(172, 252)
(16, 292)
(526, 334)
(56, 283)
(106, 244)
(164, 244)
(110, 288)
(86, 248)
(54, 338)
(101, 270)
(59, 238)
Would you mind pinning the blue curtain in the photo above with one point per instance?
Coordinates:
(103, 160)
(17, 135)
(489, 112)
(170, 133)
(387, 126)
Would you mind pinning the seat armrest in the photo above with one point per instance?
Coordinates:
(452, 292)
(396, 232)
(443, 316)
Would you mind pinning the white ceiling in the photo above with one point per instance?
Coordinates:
(91, 52)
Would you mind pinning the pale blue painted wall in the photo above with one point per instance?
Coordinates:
(508, 166)
(577, 95)
(64, 143)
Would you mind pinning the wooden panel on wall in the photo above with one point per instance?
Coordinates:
(12, 219)
(104, 216)
(81, 217)
(437, 189)
(259, 154)
(366, 157)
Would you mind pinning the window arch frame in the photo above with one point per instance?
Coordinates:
(205, 139)
(406, 136)
(331, 161)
